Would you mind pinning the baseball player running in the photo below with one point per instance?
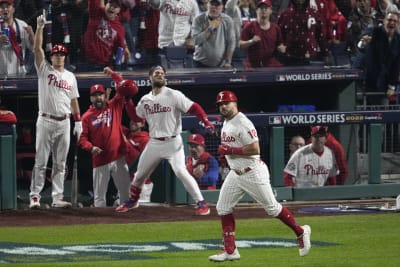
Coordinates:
(103, 136)
(162, 108)
(57, 94)
(248, 174)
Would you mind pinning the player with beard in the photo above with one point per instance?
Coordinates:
(162, 108)
(103, 136)
(248, 174)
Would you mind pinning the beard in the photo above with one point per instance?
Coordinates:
(158, 83)
(98, 104)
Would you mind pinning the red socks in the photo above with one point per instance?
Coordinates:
(135, 193)
(287, 218)
(228, 232)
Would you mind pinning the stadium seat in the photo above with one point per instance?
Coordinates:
(176, 57)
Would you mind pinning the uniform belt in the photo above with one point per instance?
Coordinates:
(57, 118)
(242, 171)
(164, 138)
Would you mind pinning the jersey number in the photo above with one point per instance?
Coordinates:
(253, 133)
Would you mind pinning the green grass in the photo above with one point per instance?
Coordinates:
(362, 240)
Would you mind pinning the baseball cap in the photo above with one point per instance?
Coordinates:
(219, 2)
(59, 48)
(197, 139)
(10, 2)
(97, 88)
(319, 130)
(118, 2)
(264, 2)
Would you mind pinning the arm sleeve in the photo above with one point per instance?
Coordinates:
(83, 140)
(288, 179)
(211, 176)
(198, 111)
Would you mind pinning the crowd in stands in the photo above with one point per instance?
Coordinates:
(131, 34)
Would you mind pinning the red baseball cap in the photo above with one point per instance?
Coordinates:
(264, 2)
(320, 130)
(10, 2)
(197, 139)
(97, 88)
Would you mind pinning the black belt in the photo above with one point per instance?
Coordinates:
(54, 117)
(164, 138)
(243, 171)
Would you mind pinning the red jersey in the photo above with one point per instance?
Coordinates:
(137, 141)
(341, 162)
(102, 36)
(262, 54)
(102, 128)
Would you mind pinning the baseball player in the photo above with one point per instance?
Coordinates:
(57, 94)
(201, 164)
(248, 174)
(103, 136)
(312, 165)
(162, 108)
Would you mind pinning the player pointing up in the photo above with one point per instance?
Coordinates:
(162, 108)
(248, 174)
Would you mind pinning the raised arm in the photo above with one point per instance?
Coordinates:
(38, 41)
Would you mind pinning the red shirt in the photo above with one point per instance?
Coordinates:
(137, 141)
(262, 53)
(341, 162)
(102, 36)
(102, 128)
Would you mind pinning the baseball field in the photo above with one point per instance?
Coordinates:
(57, 238)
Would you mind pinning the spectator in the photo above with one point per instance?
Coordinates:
(176, 19)
(214, 37)
(102, 135)
(303, 34)
(201, 164)
(202, 5)
(13, 48)
(340, 156)
(162, 108)
(382, 7)
(277, 7)
(247, 11)
(296, 142)
(58, 98)
(312, 165)
(361, 17)
(263, 39)
(104, 34)
(382, 56)
(231, 8)
(249, 174)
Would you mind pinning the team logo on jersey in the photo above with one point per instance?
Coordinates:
(180, 11)
(156, 108)
(103, 118)
(63, 84)
(310, 170)
(105, 32)
(226, 138)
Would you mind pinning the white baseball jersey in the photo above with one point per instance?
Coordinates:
(310, 169)
(56, 89)
(238, 132)
(10, 64)
(175, 24)
(163, 112)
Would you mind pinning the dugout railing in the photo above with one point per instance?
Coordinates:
(347, 125)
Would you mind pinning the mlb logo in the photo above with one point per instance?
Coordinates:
(280, 78)
(275, 120)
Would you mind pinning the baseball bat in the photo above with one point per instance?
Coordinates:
(74, 182)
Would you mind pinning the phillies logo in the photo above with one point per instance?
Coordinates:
(156, 108)
(226, 139)
(311, 171)
(177, 11)
(63, 84)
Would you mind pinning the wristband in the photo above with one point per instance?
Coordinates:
(237, 150)
(76, 117)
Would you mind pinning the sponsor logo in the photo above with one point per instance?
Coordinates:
(304, 77)
(33, 253)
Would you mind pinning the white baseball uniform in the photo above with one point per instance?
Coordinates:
(310, 169)
(248, 174)
(163, 113)
(176, 18)
(56, 90)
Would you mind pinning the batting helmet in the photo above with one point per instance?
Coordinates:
(59, 48)
(97, 88)
(127, 88)
(226, 96)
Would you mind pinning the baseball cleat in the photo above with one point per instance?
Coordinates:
(34, 203)
(224, 256)
(60, 204)
(202, 208)
(127, 205)
(304, 241)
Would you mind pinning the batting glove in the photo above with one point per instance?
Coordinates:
(77, 129)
